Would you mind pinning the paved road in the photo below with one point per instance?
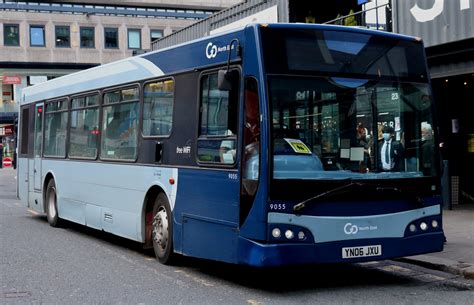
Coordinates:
(77, 265)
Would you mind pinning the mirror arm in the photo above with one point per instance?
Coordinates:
(230, 50)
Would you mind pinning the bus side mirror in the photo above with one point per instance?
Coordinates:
(224, 80)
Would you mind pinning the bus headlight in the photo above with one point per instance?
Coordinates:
(283, 233)
(276, 233)
(412, 228)
(434, 223)
(423, 226)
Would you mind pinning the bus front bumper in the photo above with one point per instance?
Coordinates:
(267, 255)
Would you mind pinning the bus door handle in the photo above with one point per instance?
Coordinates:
(158, 151)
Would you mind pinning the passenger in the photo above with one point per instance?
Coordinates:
(427, 145)
(364, 140)
(391, 155)
(227, 150)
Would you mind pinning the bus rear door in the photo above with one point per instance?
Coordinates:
(38, 146)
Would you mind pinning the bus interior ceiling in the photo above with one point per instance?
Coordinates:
(322, 11)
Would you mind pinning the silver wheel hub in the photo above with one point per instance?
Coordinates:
(52, 204)
(160, 228)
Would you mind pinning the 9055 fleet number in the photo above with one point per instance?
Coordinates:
(278, 206)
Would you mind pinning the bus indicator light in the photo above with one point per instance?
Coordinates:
(301, 235)
(171, 180)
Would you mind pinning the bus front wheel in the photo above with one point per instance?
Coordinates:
(52, 204)
(162, 234)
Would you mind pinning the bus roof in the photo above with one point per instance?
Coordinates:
(162, 62)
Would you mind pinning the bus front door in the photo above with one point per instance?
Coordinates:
(38, 145)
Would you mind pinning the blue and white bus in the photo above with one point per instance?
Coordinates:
(269, 145)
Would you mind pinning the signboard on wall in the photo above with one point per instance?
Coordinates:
(435, 21)
(11, 80)
(6, 130)
(38, 79)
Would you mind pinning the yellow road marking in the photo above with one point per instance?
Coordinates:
(195, 278)
(33, 212)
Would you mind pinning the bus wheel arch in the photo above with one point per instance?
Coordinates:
(50, 202)
(158, 222)
(162, 232)
(148, 214)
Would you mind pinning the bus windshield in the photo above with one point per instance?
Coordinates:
(340, 128)
(348, 105)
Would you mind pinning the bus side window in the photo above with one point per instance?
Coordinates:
(158, 100)
(251, 148)
(119, 120)
(251, 152)
(217, 140)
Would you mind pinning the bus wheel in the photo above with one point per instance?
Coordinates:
(52, 204)
(162, 233)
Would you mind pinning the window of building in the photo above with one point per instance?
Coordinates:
(63, 37)
(55, 129)
(134, 39)
(37, 36)
(119, 124)
(87, 37)
(111, 38)
(155, 34)
(11, 35)
(84, 127)
(217, 141)
(158, 108)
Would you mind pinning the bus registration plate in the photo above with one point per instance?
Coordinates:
(365, 251)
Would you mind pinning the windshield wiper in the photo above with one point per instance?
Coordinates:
(377, 188)
(336, 190)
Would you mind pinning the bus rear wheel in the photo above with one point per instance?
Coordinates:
(52, 204)
(162, 234)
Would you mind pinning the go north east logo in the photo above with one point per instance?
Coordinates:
(212, 50)
(350, 228)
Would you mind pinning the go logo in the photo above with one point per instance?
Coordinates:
(349, 228)
(211, 50)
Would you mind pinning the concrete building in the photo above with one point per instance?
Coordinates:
(44, 40)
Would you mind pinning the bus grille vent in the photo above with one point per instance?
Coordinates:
(108, 217)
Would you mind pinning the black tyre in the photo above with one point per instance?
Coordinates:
(162, 233)
(52, 204)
